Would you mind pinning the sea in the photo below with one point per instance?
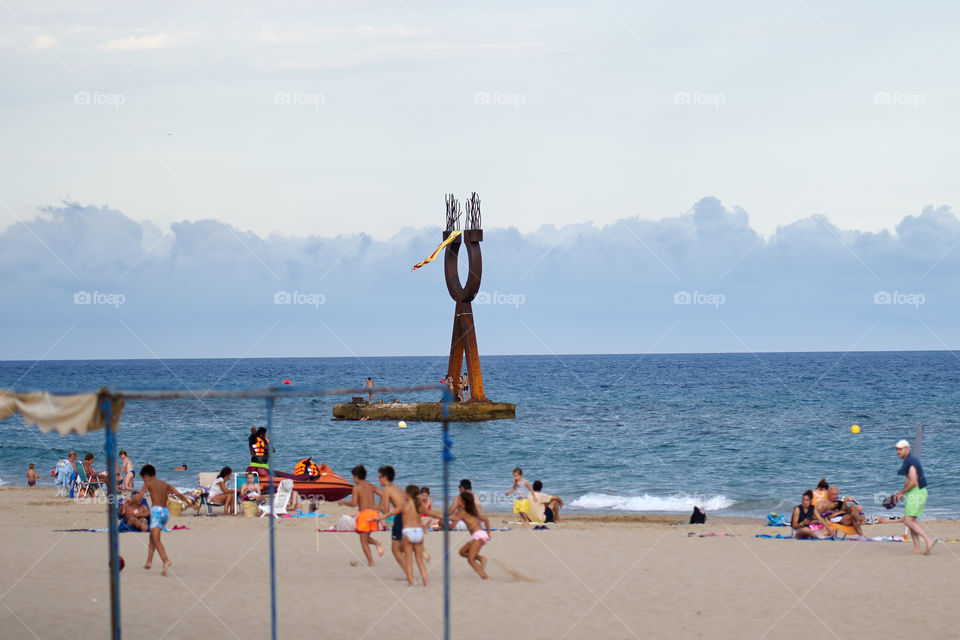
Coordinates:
(738, 434)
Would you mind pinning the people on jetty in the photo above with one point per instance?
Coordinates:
(363, 497)
(368, 386)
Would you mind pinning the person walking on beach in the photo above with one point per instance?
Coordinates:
(126, 472)
(521, 500)
(392, 498)
(411, 513)
(915, 491)
(363, 498)
(368, 385)
(159, 513)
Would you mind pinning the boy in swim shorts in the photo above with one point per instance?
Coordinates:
(159, 513)
(393, 498)
(363, 497)
(521, 501)
(410, 514)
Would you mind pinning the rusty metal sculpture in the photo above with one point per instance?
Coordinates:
(464, 341)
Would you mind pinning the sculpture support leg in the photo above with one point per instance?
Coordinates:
(465, 343)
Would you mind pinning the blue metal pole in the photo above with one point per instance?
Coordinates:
(447, 457)
(273, 564)
(106, 410)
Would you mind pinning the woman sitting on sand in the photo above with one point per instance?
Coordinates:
(220, 494)
(804, 519)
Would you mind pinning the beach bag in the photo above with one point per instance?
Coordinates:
(175, 507)
(698, 516)
(250, 508)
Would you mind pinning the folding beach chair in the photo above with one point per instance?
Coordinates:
(280, 499)
(206, 480)
(84, 484)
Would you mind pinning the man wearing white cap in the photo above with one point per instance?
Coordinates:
(915, 490)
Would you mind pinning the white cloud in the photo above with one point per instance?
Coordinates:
(160, 40)
(44, 41)
(206, 288)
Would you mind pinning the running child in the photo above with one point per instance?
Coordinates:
(363, 498)
(31, 476)
(392, 497)
(521, 501)
(410, 513)
(478, 537)
(159, 513)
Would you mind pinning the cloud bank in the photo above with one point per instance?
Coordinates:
(89, 282)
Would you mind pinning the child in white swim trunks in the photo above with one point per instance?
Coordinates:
(478, 536)
(411, 512)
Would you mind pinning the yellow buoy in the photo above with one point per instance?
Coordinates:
(402, 424)
(855, 429)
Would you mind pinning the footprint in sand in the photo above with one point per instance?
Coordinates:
(515, 576)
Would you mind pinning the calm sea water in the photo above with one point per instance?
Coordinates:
(741, 434)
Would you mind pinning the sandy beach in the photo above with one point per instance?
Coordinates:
(592, 576)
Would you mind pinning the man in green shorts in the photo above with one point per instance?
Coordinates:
(915, 491)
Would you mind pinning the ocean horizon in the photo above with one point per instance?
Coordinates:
(737, 433)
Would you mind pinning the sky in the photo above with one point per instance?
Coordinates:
(196, 158)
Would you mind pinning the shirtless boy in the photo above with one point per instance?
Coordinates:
(159, 514)
(393, 497)
(363, 497)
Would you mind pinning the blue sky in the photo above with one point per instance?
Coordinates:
(197, 158)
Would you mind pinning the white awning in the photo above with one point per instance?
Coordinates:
(77, 413)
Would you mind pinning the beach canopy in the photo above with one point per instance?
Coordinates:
(73, 413)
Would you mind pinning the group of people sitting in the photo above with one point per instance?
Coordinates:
(822, 513)
(70, 483)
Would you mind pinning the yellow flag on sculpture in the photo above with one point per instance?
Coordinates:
(433, 256)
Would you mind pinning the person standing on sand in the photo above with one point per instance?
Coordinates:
(393, 498)
(363, 498)
(31, 476)
(915, 491)
(159, 513)
(368, 385)
(521, 500)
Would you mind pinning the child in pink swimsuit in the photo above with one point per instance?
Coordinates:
(478, 537)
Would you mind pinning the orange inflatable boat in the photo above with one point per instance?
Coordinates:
(324, 484)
